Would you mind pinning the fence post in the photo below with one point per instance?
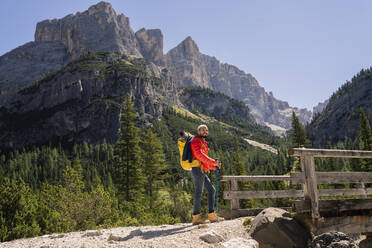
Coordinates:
(362, 186)
(234, 202)
(311, 185)
(304, 186)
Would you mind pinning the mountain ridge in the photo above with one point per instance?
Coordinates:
(100, 29)
(83, 101)
(339, 120)
(191, 67)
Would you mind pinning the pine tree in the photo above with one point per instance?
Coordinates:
(68, 207)
(365, 132)
(73, 177)
(238, 166)
(298, 133)
(331, 164)
(154, 166)
(128, 171)
(18, 206)
(236, 159)
(365, 140)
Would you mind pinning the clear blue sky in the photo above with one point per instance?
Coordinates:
(302, 51)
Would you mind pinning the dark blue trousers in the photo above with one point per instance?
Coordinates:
(201, 181)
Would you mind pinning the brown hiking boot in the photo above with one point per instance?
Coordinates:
(197, 219)
(212, 217)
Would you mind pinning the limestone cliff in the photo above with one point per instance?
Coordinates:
(97, 29)
(28, 63)
(60, 41)
(83, 100)
(150, 43)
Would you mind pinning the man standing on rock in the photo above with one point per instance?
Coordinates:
(199, 149)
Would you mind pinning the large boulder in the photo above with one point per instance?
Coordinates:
(275, 228)
(333, 240)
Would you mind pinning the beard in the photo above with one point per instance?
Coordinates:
(203, 135)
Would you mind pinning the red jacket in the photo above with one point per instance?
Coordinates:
(199, 149)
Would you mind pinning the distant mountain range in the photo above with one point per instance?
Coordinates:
(60, 41)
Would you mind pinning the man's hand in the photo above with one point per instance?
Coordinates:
(218, 164)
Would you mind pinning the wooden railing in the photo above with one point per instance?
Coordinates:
(309, 179)
(234, 195)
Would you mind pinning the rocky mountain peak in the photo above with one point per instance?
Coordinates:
(186, 49)
(189, 67)
(319, 108)
(189, 45)
(97, 29)
(101, 7)
(105, 9)
(150, 43)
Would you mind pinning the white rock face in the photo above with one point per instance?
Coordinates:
(241, 243)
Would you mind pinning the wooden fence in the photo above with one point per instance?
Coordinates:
(309, 179)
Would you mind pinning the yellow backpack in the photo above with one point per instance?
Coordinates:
(186, 165)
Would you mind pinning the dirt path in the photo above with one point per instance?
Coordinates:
(262, 146)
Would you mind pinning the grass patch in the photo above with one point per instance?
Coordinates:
(247, 223)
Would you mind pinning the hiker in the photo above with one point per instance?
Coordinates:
(199, 149)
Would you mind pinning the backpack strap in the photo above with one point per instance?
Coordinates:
(187, 154)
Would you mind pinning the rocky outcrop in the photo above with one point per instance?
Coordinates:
(319, 108)
(275, 228)
(187, 65)
(211, 237)
(83, 100)
(150, 44)
(28, 63)
(190, 67)
(97, 29)
(333, 240)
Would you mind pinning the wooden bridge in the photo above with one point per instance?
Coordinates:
(351, 215)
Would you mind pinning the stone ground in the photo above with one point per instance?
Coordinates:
(179, 235)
